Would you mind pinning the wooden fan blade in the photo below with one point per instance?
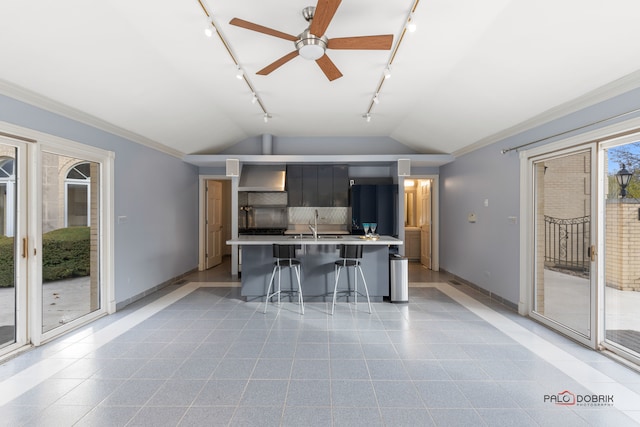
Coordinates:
(325, 9)
(259, 28)
(329, 68)
(277, 64)
(381, 42)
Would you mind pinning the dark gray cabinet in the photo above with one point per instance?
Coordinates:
(309, 186)
(294, 185)
(340, 186)
(318, 185)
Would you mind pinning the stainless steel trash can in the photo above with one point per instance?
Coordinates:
(399, 278)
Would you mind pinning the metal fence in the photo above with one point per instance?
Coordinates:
(567, 242)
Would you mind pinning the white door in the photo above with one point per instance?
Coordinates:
(213, 227)
(426, 224)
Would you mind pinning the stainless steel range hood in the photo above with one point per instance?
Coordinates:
(262, 178)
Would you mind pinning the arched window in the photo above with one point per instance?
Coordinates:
(7, 196)
(78, 195)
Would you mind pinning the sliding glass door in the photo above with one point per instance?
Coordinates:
(55, 236)
(13, 285)
(621, 229)
(70, 239)
(564, 285)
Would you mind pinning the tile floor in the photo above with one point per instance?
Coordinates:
(196, 354)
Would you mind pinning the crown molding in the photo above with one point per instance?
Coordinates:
(603, 93)
(40, 101)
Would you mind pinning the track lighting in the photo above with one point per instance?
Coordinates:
(210, 29)
(375, 98)
(367, 117)
(387, 72)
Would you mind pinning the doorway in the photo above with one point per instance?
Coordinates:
(215, 221)
(421, 220)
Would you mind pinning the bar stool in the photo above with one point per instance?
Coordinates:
(350, 257)
(284, 257)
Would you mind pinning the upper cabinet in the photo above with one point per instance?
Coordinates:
(318, 185)
(294, 185)
(340, 186)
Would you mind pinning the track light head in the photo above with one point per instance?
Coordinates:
(411, 26)
(209, 28)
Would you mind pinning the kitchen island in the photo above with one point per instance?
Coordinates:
(317, 256)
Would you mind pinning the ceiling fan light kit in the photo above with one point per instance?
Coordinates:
(310, 46)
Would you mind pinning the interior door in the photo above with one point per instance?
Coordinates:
(564, 224)
(426, 224)
(213, 256)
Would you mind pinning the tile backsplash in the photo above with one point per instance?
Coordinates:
(304, 215)
(262, 199)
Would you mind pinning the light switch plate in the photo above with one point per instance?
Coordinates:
(472, 217)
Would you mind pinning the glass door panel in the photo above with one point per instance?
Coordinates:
(563, 285)
(622, 249)
(70, 239)
(8, 244)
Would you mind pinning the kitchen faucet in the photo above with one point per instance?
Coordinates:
(314, 227)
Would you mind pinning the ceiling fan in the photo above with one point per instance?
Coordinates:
(312, 42)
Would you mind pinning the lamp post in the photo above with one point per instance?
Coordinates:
(623, 177)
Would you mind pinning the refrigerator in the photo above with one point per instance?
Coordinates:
(375, 203)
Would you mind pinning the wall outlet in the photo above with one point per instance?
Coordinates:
(472, 217)
(513, 220)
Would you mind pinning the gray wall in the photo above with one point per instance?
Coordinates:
(158, 194)
(321, 145)
(487, 253)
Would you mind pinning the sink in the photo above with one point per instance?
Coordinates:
(329, 236)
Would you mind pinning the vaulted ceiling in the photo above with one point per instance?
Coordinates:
(472, 71)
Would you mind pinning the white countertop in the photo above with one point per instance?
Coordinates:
(309, 240)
